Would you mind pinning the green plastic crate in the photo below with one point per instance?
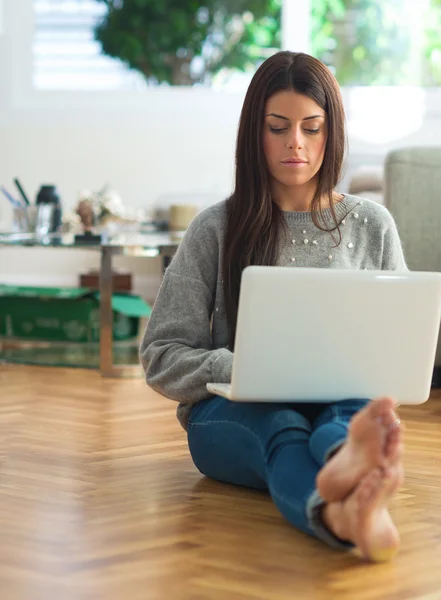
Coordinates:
(65, 314)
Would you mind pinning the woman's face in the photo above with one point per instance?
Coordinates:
(294, 138)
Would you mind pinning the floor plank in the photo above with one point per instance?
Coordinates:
(99, 499)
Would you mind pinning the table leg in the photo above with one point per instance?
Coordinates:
(106, 313)
(166, 260)
(107, 368)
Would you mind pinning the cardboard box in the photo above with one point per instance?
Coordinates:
(65, 314)
(121, 282)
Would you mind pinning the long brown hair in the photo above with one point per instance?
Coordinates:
(254, 221)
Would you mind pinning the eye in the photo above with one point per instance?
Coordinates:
(277, 129)
(312, 130)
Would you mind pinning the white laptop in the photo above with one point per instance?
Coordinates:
(322, 335)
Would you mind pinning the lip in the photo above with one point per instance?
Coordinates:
(294, 161)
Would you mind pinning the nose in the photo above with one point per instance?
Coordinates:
(295, 138)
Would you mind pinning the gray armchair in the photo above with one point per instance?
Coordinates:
(413, 196)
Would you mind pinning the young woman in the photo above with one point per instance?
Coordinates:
(330, 468)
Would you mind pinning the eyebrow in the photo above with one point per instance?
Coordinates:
(286, 118)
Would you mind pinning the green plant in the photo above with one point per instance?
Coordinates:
(183, 42)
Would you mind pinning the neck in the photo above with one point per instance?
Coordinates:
(299, 199)
(294, 198)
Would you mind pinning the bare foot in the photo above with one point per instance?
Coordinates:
(363, 518)
(374, 439)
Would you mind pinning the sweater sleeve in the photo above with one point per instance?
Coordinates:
(393, 256)
(176, 352)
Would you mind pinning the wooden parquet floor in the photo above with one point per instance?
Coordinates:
(99, 500)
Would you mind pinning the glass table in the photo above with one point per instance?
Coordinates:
(146, 245)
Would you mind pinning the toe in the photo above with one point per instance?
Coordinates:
(394, 445)
(389, 418)
(382, 406)
(370, 484)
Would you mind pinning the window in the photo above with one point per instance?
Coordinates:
(66, 55)
(364, 42)
(378, 42)
(221, 49)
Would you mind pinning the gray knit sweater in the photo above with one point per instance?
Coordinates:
(185, 343)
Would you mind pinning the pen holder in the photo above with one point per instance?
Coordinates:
(24, 219)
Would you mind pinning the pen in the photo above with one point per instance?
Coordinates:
(11, 199)
(21, 190)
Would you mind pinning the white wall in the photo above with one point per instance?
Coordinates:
(149, 144)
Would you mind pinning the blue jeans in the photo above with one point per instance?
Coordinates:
(274, 447)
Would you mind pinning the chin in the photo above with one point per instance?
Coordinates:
(293, 180)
